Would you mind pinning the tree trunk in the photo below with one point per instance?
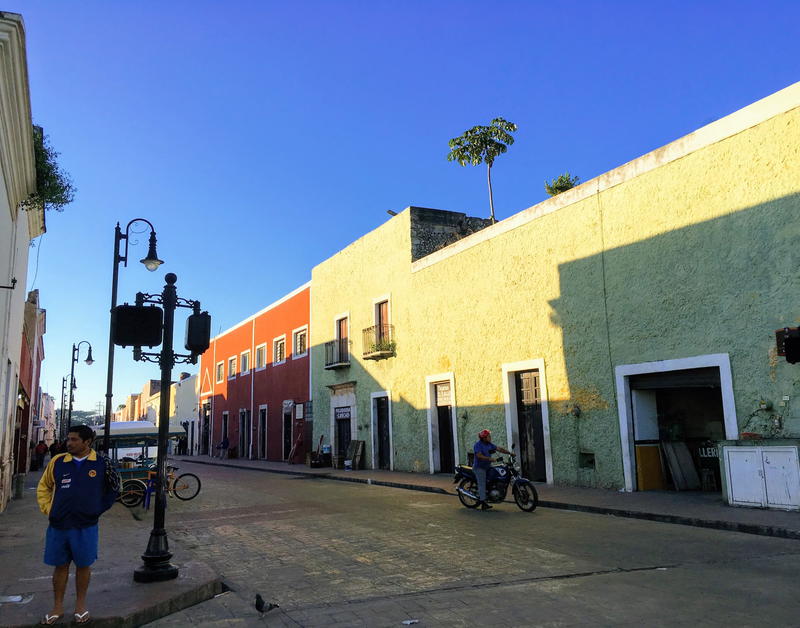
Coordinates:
(491, 199)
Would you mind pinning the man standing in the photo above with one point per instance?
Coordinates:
(484, 449)
(75, 489)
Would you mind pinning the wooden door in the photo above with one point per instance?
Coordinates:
(343, 436)
(262, 429)
(287, 434)
(531, 429)
(382, 321)
(384, 454)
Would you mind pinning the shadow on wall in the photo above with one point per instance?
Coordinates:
(717, 287)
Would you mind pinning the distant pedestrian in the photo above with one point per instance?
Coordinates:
(75, 489)
(223, 448)
(40, 451)
(54, 447)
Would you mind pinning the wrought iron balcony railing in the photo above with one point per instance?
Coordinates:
(337, 354)
(379, 342)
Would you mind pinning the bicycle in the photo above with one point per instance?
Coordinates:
(135, 491)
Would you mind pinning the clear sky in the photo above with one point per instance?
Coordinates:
(262, 137)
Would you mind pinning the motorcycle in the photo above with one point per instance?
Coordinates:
(499, 477)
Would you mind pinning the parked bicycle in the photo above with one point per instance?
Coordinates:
(136, 491)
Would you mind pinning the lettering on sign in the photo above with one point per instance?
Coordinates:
(342, 413)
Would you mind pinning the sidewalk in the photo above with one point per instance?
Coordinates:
(114, 598)
(705, 510)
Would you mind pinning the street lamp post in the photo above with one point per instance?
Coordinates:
(151, 262)
(61, 413)
(156, 567)
(89, 362)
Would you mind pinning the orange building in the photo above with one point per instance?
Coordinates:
(254, 383)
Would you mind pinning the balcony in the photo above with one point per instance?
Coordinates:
(337, 354)
(379, 342)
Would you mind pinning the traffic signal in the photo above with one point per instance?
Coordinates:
(788, 341)
(198, 332)
(137, 325)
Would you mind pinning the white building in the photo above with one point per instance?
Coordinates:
(17, 226)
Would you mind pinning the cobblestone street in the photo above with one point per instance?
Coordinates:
(335, 554)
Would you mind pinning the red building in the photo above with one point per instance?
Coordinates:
(254, 383)
(28, 397)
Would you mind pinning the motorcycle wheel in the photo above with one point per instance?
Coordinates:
(468, 485)
(526, 497)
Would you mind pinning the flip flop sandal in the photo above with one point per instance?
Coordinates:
(82, 618)
(49, 620)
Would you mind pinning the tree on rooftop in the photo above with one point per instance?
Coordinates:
(561, 183)
(54, 189)
(483, 144)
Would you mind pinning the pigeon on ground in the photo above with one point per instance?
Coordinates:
(262, 606)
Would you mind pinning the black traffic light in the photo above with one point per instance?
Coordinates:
(788, 341)
(198, 332)
(137, 325)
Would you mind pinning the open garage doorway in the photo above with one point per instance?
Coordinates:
(672, 414)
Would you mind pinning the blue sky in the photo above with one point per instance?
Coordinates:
(262, 137)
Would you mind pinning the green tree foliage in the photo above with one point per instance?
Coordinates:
(483, 144)
(561, 183)
(54, 189)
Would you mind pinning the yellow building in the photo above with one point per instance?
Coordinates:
(635, 308)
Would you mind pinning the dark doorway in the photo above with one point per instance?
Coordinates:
(245, 432)
(531, 429)
(224, 425)
(206, 430)
(343, 437)
(262, 432)
(382, 415)
(287, 433)
(444, 423)
(446, 462)
(679, 410)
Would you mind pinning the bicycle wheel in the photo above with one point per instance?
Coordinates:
(186, 486)
(132, 493)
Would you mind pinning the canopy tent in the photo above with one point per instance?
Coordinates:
(132, 434)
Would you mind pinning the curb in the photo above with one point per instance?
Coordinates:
(714, 524)
(144, 615)
(328, 476)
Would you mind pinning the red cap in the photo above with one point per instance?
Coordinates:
(484, 434)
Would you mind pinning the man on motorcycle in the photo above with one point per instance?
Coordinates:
(484, 449)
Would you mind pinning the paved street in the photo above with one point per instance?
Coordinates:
(335, 554)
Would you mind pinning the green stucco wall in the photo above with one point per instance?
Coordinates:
(696, 256)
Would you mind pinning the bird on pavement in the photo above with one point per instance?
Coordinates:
(262, 606)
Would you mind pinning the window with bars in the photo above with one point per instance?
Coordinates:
(300, 342)
(279, 350)
(261, 356)
(232, 367)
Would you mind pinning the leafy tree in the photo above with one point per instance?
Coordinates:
(561, 183)
(54, 189)
(483, 144)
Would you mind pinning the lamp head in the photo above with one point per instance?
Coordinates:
(89, 359)
(151, 262)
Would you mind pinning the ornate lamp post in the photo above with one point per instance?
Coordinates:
(72, 387)
(139, 326)
(151, 263)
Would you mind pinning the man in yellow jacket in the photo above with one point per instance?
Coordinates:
(75, 489)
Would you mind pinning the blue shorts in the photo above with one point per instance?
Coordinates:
(77, 545)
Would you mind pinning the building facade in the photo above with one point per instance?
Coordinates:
(254, 386)
(640, 306)
(28, 423)
(17, 227)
